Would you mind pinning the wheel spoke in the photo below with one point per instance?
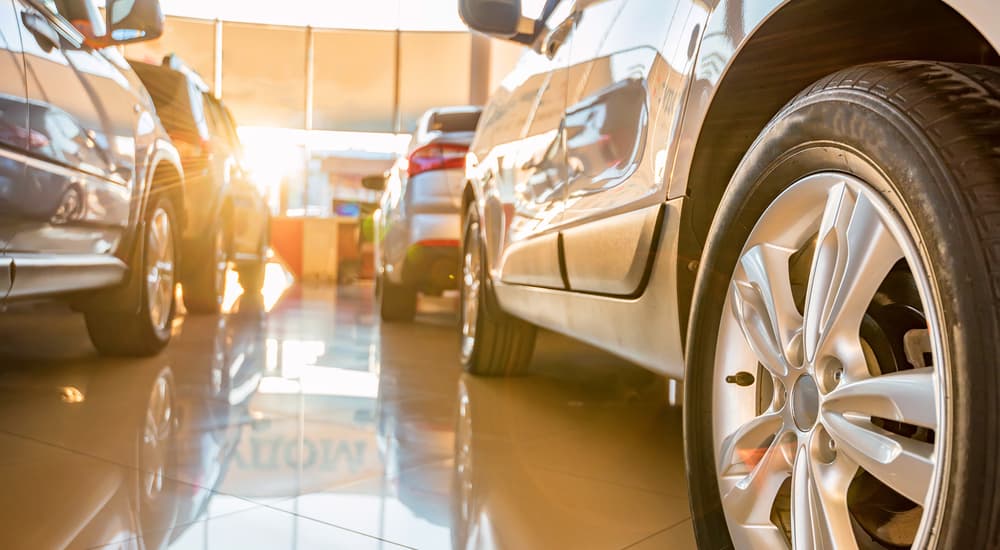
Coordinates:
(906, 465)
(820, 517)
(764, 305)
(906, 396)
(854, 253)
(747, 445)
(750, 501)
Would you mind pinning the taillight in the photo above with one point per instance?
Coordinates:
(437, 156)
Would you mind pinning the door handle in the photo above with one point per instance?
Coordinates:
(35, 22)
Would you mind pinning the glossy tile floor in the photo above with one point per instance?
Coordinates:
(309, 426)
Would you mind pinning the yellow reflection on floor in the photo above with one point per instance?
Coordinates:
(277, 279)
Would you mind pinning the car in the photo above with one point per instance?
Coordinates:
(418, 227)
(229, 218)
(792, 208)
(92, 195)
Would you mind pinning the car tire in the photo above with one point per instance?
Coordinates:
(143, 328)
(204, 293)
(908, 150)
(397, 302)
(493, 343)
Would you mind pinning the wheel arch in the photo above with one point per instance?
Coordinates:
(166, 176)
(792, 45)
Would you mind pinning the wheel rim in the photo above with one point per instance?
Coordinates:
(822, 413)
(160, 269)
(471, 281)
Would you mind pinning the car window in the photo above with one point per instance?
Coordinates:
(453, 122)
(77, 11)
(222, 121)
(171, 93)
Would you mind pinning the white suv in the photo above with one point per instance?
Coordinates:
(418, 225)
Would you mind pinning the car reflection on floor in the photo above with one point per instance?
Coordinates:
(295, 421)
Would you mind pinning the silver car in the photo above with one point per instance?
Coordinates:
(793, 207)
(418, 225)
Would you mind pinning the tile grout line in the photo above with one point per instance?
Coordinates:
(651, 535)
(256, 505)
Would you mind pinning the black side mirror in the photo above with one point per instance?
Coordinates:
(374, 182)
(134, 20)
(499, 18)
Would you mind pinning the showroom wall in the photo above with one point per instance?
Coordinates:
(333, 79)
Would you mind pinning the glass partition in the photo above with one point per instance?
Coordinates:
(264, 74)
(434, 71)
(353, 83)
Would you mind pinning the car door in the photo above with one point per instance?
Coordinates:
(630, 59)
(528, 153)
(79, 180)
(14, 133)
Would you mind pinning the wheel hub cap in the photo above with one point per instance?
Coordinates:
(805, 402)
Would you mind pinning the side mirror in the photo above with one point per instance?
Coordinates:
(374, 182)
(134, 20)
(500, 19)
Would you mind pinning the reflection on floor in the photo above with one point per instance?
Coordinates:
(308, 426)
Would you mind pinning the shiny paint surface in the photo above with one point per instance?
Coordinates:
(624, 73)
(77, 149)
(313, 427)
(76, 193)
(520, 161)
(642, 77)
(14, 133)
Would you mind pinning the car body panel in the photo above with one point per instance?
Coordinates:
(643, 329)
(76, 194)
(78, 149)
(522, 163)
(14, 130)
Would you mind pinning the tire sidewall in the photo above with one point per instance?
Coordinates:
(471, 219)
(158, 334)
(860, 135)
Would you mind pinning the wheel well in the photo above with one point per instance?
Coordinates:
(802, 42)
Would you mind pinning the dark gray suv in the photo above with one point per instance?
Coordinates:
(91, 188)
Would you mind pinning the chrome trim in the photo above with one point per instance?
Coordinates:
(45, 274)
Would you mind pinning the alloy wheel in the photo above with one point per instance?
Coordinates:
(810, 410)
(160, 265)
(471, 281)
